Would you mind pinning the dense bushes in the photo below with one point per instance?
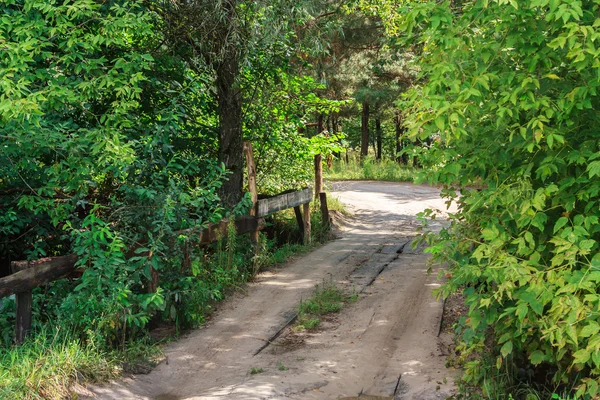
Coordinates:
(509, 91)
(90, 162)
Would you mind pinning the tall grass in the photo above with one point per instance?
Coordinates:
(50, 364)
(369, 169)
(47, 366)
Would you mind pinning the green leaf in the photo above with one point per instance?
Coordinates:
(489, 234)
(506, 349)
(592, 387)
(440, 122)
(593, 169)
(587, 244)
(562, 221)
(537, 357)
(522, 310)
(590, 329)
(581, 356)
(539, 220)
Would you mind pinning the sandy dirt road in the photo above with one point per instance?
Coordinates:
(386, 344)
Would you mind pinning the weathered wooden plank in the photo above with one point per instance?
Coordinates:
(318, 174)
(283, 201)
(32, 274)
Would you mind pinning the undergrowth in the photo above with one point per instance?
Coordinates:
(509, 379)
(53, 360)
(369, 169)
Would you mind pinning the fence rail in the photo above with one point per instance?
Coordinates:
(27, 275)
(283, 201)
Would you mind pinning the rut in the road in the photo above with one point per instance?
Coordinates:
(362, 278)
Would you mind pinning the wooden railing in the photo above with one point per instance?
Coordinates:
(27, 275)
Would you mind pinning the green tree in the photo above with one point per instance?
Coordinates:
(510, 89)
(89, 121)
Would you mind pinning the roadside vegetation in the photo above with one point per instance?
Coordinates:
(54, 360)
(121, 131)
(51, 364)
(508, 94)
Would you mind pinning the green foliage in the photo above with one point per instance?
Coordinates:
(284, 153)
(113, 308)
(510, 92)
(369, 169)
(104, 301)
(49, 365)
(254, 371)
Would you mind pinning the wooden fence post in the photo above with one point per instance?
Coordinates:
(251, 184)
(24, 301)
(299, 221)
(324, 208)
(306, 237)
(318, 174)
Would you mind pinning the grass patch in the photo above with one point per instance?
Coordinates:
(254, 371)
(326, 299)
(48, 366)
(370, 169)
(335, 204)
(282, 367)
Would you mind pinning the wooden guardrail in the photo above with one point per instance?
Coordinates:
(27, 275)
(283, 201)
(290, 199)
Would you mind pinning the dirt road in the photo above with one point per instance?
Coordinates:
(385, 344)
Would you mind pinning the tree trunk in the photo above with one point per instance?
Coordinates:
(320, 123)
(318, 175)
(230, 114)
(379, 136)
(364, 143)
(400, 159)
(334, 131)
(319, 162)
